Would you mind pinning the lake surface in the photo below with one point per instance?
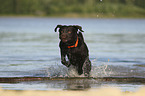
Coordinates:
(29, 48)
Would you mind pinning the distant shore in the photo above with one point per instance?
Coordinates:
(74, 15)
(74, 8)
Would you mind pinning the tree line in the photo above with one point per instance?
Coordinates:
(60, 7)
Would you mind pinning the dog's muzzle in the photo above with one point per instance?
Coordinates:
(63, 37)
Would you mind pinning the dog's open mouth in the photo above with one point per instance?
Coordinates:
(64, 40)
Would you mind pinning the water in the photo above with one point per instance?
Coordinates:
(29, 48)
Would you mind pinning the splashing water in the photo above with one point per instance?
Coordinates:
(57, 70)
(100, 70)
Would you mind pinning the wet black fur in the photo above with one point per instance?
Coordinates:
(77, 56)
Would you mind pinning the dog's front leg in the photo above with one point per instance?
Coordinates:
(63, 60)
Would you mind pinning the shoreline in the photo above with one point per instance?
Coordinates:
(64, 17)
(112, 79)
(107, 91)
(94, 16)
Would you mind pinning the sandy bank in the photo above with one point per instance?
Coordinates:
(92, 92)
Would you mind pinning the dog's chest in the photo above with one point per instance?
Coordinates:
(74, 51)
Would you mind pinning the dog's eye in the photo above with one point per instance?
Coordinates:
(69, 32)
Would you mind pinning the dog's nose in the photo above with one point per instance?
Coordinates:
(63, 36)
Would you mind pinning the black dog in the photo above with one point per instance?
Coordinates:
(73, 46)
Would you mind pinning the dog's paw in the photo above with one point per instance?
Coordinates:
(68, 64)
(86, 75)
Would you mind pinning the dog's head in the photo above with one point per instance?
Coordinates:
(68, 33)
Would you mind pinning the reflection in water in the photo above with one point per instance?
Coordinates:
(81, 83)
(78, 84)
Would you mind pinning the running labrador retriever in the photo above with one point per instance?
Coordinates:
(73, 46)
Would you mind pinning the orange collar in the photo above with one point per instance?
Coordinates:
(76, 44)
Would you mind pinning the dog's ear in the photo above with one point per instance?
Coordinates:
(78, 27)
(58, 26)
